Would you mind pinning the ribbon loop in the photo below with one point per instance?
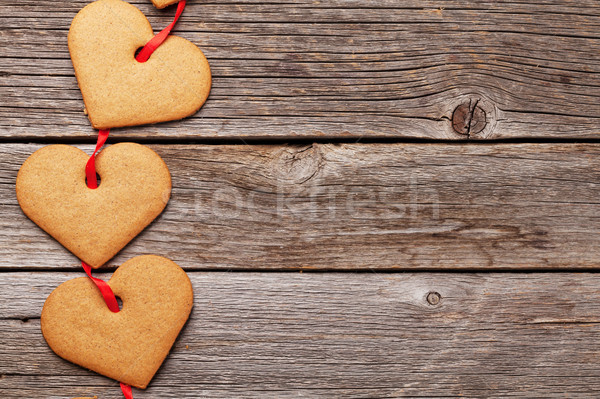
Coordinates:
(90, 166)
(157, 40)
(105, 290)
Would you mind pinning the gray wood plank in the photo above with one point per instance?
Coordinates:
(359, 68)
(340, 335)
(352, 207)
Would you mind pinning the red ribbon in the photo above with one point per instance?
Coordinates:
(113, 305)
(157, 40)
(92, 182)
(105, 290)
(126, 391)
(90, 166)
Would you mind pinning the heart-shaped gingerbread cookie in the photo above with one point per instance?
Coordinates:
(135, 186)
(163, 3)
(128, 346)
(118, 90)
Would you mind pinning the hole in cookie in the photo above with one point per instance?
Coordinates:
(97, 180)
(119, 302)
(137, 52)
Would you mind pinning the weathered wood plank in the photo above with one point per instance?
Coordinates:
(352, 206)
(340, 335)
(335, 69)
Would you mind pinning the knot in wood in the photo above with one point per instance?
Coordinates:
(434, 298)
(469, 118)
(298, 164)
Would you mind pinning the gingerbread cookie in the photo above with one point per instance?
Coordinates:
(135, 186)
(128, 346)
(163, 3)
(118, 90)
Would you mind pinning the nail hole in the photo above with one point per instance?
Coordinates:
(434, 298)
(97, 179)
(25, 319)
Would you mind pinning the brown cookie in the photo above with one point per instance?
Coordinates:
(120, 91)
(163, 3)
(128, 346)
(135, 186)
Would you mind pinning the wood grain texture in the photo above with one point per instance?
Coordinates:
(340, 335)
(359, 68)
(343, 69)
(352, 207)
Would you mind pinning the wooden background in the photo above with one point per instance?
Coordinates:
(380, 198)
